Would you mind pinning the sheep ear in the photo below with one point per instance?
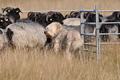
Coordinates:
(86, 15)
(29, 13)
(38, 15)
(115, 14)
(71, 12)
(3, 10)
(7, 10)
(18, 10)
(118, 15)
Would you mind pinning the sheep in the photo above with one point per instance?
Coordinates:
(113, 16)
(71, 21)
(54, 17)
(74, 23)
(110, 28)
(73, 14)
(21, 35)
(41, 19)
(4, 21)
(12, 13)
(33, 15)
(3, 39)
(74, 18)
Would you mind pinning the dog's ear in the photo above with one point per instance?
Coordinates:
(59, 26)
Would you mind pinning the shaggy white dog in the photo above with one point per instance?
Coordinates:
(61, 38)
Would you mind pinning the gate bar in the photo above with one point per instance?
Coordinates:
(90, 44)
(82, 29)
(97, 33)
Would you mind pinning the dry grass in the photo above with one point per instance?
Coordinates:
(40, 5)
(40, 64)
(45, 65)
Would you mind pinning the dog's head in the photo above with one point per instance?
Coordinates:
(52, 29)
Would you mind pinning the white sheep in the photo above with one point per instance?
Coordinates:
(26, 34)
(71, 21)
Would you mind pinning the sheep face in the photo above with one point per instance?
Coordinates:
(114, 16)
(75, 14)
(12, 13)
(91, 17)
(4, 21)
(33, 15)
(42, 19)
(54, 17)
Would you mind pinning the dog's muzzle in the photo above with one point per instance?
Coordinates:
(47, 34)
(44, 32)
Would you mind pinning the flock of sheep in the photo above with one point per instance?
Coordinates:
(51, 29)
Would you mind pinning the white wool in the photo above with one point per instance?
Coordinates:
(27, 34)
(72, 21)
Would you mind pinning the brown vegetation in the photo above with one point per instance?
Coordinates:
(41, 64)
(40, 5)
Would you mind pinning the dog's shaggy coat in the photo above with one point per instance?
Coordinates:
(69, 41)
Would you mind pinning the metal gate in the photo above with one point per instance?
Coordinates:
(97, 34)
(94, 35)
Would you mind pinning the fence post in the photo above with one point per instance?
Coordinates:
(82, 29)
(97, 34)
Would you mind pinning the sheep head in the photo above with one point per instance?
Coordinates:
(12, 13)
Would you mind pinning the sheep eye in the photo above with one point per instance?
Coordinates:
(1, 20)
(8, 10)
(17, 11)
(6, 19)
(51, 19)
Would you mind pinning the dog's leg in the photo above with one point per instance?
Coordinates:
(68, 53)
(57, 43)
(56, 46)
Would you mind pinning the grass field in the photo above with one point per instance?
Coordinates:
(40, 64)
